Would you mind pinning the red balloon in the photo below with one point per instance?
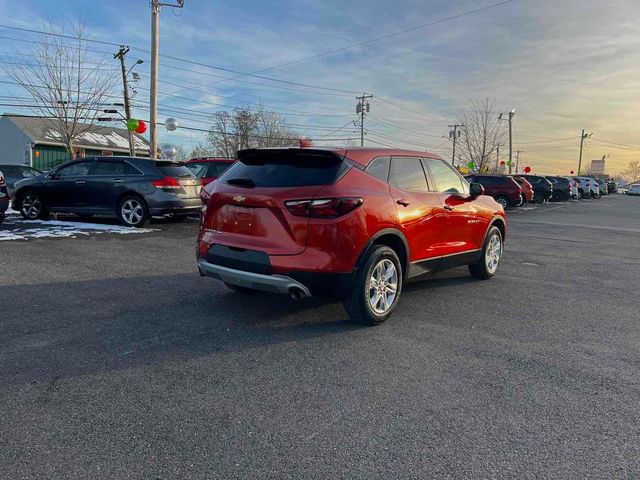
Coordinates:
(527, 169)
(503, 162)
(142, 127)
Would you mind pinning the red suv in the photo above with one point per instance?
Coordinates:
(209, 168)
(353, 223)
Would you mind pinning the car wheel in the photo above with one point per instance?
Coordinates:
(502, 200)
(132, 211)
(521, 202)
(32, 206)
(538, 197)
(558, 197)
(377, 287)
(487, 266)
(239, 289)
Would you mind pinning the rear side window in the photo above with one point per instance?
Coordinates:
(379, 168)
(285, 168)
(109, 168)
(173, 169)
(407, 174)
(447, 180)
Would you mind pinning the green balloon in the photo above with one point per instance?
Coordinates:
(471, 165)
(133, 124)
(508, 164)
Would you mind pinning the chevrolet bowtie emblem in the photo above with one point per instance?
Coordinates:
(239, 198)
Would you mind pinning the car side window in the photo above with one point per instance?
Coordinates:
(217, 168)
(406, 173)
(446, 179)
(75, 169)
(109, 168)
(379, 168)
(131, 170)
(28, 172)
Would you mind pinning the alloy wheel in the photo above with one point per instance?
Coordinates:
(502, 201)
(31, 206)
(383, 286)
(132, 211)
(493, 253)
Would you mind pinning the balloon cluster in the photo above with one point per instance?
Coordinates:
(138, 126)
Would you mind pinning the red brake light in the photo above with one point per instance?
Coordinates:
(324, 208)
(166, 182)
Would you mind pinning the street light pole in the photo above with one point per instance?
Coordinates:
(511, 114)
(153, 108)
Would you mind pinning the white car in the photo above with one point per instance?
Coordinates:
(634, 189)
(591, 185)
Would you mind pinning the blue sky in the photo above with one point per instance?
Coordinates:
(563, 65)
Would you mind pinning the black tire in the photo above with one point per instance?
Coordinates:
(132, 211)
(538, 196)
(522, 200)
(480, 269)
(558, 197)
(32, 206)
(239, 289)
(358, 303)
(504, 201)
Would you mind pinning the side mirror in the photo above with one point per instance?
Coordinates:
(52, 175)
(475, 189)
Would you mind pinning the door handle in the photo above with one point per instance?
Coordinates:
(80, 182)
(117, 180)
(448, 207)
(404, 203)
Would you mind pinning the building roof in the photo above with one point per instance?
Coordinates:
(100, 137)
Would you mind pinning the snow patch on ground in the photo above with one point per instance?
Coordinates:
(62, 229)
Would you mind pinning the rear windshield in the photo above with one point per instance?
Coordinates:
(173, 169)
(286, 168)
(208, 169)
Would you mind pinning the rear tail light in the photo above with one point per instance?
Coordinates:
(166, 182)
(323, 208)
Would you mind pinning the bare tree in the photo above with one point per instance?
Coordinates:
(65, 87)
(243, 128)
(632, 173)
(481, 134)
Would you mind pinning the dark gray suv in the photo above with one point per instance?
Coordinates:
(134, 189)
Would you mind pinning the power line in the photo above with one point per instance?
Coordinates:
(184, 60)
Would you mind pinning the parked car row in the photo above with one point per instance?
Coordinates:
(515, 190)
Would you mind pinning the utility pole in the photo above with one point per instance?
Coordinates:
(455, 134)
(518, 160)
(127, 108)
(497, 157)
(153, 88)
(511, 114)
(582, 137)
(361, 107)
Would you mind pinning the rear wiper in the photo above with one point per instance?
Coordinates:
(242, 182)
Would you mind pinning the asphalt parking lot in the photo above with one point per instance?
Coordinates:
(118, 361)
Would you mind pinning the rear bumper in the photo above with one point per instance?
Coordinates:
(256, 281)
(178, 205)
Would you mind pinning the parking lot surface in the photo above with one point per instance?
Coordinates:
(118, 361)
